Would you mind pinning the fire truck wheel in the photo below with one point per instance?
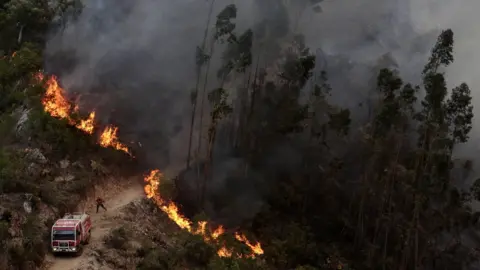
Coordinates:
(87, 240)
(79, 251)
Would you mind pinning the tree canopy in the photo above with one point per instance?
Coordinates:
(336, 194)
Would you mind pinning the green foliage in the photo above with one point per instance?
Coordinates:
(340, 121)
(160, 258)
(15, 78)
(13, 176)
(433, 110)
(218, 99)
(4, 234)
(28, 21)
(193, 251)
(23, 27)
(63, 138)
(31, 251)
(118, 239)
(224, 26)
(298, 66)
(7, 128)
(459, 112)
(442, 53)
(64, 196)
(197, 251)
(475, 189)
(201, 57)
(383, 208)
(218, 263)
(153, 261)
(293, 248)
(238, 55)
(381, 203)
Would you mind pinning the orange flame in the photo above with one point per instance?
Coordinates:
(219, 231)
(56, 104)
(87, 125)
(169, 208)
(152, 191)
(54, 101)
(256, 249)
(109, 138)
(202, 228)
(224, 252)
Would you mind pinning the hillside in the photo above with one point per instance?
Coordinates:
(263, 153)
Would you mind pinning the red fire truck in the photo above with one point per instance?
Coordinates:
(70, 233)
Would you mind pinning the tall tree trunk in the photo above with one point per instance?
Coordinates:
(248, 139)
(202, 101)
(208, 164)
(365, 185)
(192, 121)
(243, 115)
(199, 146)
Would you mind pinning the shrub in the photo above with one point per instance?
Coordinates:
(197, 251)
(118, 239)
(4, 235)
(218, 263)
(31, 251)
(59, 134)
(151, 262)
(12, 173)
(159, 259)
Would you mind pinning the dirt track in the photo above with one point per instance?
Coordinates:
(102, 223)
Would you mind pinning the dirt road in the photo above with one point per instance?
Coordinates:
(103, 222)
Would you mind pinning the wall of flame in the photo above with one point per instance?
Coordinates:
(56, 103)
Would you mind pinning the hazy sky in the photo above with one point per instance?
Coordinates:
(146, 47)
(140, 55)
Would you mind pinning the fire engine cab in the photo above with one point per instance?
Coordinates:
(70, 233)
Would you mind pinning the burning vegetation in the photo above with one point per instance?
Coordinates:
(152, 190)
(56, 103)
(87, 125)
(341, 190)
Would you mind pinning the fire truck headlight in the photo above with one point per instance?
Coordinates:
(73, 249)
(54, 249)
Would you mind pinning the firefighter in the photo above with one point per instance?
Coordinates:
(100, 202)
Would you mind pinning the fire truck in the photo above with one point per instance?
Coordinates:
(71, 233)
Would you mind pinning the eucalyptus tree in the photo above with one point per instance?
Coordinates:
(200, 59)
(218, 99)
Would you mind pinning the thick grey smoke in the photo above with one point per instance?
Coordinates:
(134, 61)
(363, 31)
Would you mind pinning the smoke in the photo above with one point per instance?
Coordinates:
(134, 61)
(461, 18)
(363, 31)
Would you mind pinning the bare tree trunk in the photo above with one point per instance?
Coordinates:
(202, 102)
(365, 188)
(192, 121)
(199, 146)
(390, 205)
(208, 166)
(243, 115)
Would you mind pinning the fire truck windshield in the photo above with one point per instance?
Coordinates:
(63, 235)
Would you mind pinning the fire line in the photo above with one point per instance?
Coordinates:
(57, 105)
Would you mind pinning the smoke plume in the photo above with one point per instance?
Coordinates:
(134, 61)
